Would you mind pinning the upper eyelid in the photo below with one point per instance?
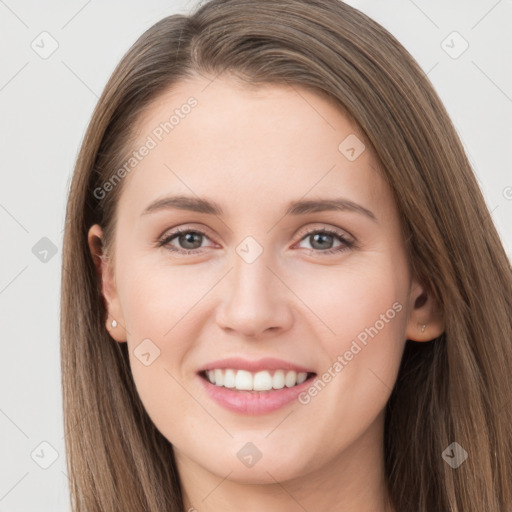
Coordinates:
(329, 229)
(172, 232)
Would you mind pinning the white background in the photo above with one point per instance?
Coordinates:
(45, 107)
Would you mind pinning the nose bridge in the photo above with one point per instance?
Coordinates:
(254, 300)
(251, 280)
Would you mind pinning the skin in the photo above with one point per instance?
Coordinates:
(252, 150)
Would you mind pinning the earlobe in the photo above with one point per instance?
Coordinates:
(116, 330)
(426, 320)
(115, 321)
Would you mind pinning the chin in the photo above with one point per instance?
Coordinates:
(267, 470)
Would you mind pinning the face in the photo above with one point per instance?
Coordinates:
(286, 288)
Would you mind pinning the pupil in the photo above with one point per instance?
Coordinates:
(188, 238)
(320, 235)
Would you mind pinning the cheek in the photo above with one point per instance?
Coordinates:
(155, 298)
(365, 313)
(158, 308)
(360, 302)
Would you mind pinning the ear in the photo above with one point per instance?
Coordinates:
(105, 271)
(426, 321)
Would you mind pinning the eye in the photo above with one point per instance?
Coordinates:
(322, 240)
(188, 240)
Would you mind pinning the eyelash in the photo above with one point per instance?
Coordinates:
(347, 244)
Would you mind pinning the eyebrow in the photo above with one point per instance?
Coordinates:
(300, 207)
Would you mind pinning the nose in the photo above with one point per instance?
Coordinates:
(256, 301)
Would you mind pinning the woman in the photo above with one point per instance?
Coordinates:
(211, 360)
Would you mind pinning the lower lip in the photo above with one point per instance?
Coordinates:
(254, 402)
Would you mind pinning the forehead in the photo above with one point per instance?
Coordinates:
(250, 146)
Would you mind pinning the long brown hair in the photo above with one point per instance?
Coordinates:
(456, 388)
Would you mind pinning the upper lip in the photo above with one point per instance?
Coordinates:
(266, 363)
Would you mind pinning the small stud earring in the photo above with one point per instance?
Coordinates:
(114, 323)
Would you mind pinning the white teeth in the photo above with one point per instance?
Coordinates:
(301, 377)
(278, 380)
(290, 379)
(262, 381)
(243, 380)
(219, 377)
(229, 378)
(259, 381)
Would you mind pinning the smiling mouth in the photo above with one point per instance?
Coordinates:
(256, 382)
